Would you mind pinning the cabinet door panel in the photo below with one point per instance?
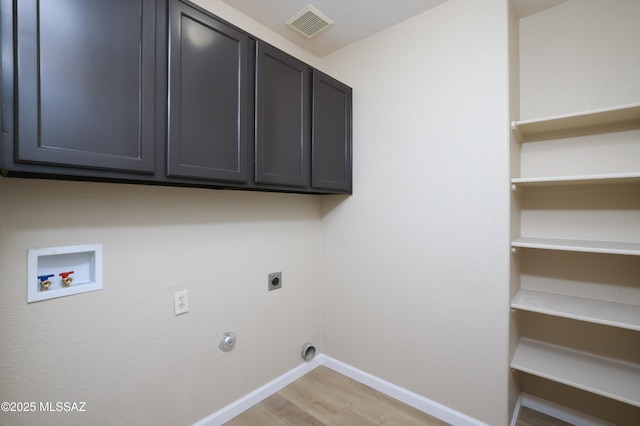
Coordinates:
(282, 118)
(331, 157)
(86, 83)
(208, 93)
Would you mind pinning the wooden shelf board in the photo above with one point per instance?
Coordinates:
(613, 314)
(597, 121)
(605, 247)
(609, 178)
(611, 378)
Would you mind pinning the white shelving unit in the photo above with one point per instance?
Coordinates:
(612, 378)
(597, 121)
(577, 180)
(604, 312)
(585, 246)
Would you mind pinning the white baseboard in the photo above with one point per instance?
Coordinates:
(516, 411)
(558, 411)
(410, 398)
(243, 404)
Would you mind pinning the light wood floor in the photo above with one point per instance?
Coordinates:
(529, 417)
(324, 397)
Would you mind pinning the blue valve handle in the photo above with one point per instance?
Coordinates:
(45, 277)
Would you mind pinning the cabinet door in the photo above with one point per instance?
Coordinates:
(208, 80)
(86, 83)
(282, 118)
(331, 152)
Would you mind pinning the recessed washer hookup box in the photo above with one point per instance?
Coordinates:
(63, 271)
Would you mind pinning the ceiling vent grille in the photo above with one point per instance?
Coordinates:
(309, 21)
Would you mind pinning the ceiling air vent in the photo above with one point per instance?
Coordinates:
(309, 21)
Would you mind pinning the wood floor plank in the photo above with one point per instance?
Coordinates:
(324, 397)
(255, 416)
(319, 396)
(379, 408)
(322, 407)
(347, 417)
(288, 412)
(529, 417)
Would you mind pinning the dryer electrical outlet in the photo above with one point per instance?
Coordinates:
(275, 280)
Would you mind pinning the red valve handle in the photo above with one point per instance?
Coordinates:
(65, 274)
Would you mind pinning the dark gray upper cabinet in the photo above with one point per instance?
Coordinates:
(208, 89)
(85, 83)
(283, 131)
(163, 92)
(331, 152)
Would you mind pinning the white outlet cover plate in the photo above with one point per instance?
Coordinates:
(181, 302)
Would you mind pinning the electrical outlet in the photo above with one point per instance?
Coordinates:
(181, 300)
(275, 280)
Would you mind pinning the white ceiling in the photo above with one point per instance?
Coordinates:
(354, 19)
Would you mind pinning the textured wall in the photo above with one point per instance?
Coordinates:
(417, 260)
(414, 282)
(122, 350)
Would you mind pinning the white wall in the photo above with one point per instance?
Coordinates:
(579, 56)
(416, 262)
(122, 350)
(514, 160)
(407, 279)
